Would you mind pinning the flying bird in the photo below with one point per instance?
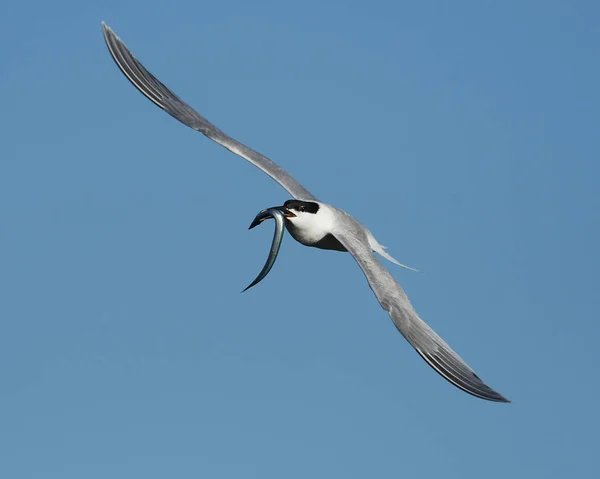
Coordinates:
(319, 225)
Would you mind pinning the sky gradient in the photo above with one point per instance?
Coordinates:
(463, 134)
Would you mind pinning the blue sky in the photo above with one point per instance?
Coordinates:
(463, 134)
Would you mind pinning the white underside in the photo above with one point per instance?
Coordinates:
(310, 229)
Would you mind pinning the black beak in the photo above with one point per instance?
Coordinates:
(266, 214)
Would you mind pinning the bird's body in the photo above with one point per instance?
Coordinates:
(314, 229)
(317, 224)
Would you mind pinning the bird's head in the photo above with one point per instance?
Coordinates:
(304, 214)
(301, 209)
(296, 211)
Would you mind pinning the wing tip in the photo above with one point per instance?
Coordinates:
(494, 396)
(489, 395)
(478, 389)
(501, 398)
(108, 32)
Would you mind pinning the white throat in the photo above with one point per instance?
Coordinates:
(310, 228)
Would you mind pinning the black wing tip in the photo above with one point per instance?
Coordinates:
(488, 394)
(108, 34)
(475, 387)
(496, 397)
(105, 28)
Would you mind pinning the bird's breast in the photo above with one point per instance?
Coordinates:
(314, 235)
(307, 235)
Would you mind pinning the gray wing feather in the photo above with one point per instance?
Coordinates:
(160, 95)
(392, 298)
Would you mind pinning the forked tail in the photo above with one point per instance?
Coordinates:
(380, 249)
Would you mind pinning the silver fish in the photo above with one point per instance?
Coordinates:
(278, 216)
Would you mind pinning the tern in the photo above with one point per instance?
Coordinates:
(319, 225)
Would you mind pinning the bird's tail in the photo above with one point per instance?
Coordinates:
(380, 249)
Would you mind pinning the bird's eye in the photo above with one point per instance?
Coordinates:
(301, 208)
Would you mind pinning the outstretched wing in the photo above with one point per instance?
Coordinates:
(158, 93)
(392, 298)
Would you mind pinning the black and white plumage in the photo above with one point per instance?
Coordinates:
(317, 224)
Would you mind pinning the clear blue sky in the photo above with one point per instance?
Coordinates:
(463, 134)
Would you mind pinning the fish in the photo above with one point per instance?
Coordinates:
(278, 216)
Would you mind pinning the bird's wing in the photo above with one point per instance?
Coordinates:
(392, 298)
(154, 90)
